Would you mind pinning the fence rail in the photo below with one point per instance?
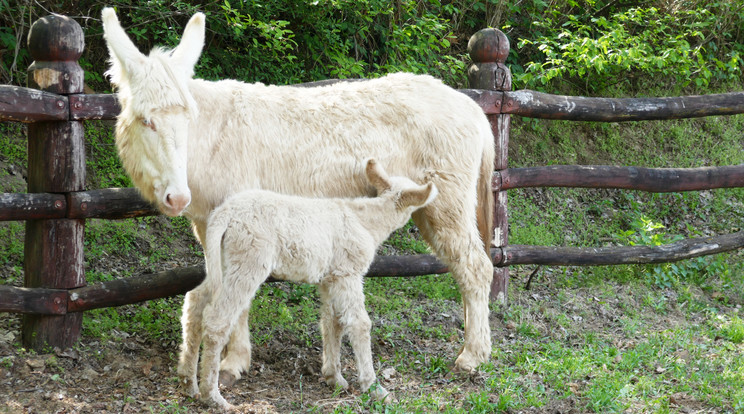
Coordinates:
(31, 105)
(576, 108)
(655, 180)
(107, 203)
(178, 281)
(56, 206)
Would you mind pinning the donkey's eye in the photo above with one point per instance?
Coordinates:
(148, 123)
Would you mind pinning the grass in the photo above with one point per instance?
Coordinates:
(656, 338)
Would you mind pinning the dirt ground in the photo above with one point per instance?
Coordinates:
(132, 375)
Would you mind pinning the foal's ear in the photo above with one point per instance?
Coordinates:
(187, 53)
(125, 57)
(418, 197)
(377, 176)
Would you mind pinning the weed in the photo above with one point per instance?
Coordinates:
(102, 159)
(437, 365)
(169, 408)
(480, 402)
(406, 240)
(733, 330)
(13, 147)
(11, 241)
(53, 364)
(644, 232)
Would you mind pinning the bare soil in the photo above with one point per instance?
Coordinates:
(131, 374)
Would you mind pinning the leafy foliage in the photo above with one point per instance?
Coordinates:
(591, 45)
(272, 41)
(646, 232)
(609, 44)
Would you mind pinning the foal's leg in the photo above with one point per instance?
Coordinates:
(345, 297)
(241, 279)
(219, 320)
(331, 332)
(238, 354)
(191, 323)
(449, 226)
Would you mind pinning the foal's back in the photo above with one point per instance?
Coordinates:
(305, 237)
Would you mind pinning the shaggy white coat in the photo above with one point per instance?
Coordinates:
(327, 242)
(188, 144)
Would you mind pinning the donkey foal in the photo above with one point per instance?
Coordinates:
(327, 242)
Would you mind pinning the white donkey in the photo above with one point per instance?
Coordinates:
(190, 143)
(329, 242)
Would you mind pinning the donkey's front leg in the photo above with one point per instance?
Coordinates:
(191, 324)
(346, 299)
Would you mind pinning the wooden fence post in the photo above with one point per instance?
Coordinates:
(53, 253)
(489, 48)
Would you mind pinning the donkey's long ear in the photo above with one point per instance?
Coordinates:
(418, 197)
(187, 53)
(377, 176)
(124, 54)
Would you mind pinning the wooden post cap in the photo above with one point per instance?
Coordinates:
(56, 43)
(488, 45)
(56, 38)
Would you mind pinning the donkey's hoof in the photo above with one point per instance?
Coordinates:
(337, 381)
(466, 363)
(227, 379)
(189, 388)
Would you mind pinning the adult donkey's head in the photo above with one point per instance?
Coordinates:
(156, 110)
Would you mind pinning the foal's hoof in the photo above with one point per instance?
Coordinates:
(227, 379)
(219, 403)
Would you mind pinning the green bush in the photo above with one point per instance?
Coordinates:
(588, 46)
(692, 43)
(271, 41)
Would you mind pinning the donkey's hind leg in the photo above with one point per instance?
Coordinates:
(449, 226)
(219, 319)
(238, 353)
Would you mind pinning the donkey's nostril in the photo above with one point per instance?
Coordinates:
(176, 203)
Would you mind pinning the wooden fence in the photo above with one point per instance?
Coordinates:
(56, 205)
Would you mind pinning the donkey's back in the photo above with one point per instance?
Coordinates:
(311, 141)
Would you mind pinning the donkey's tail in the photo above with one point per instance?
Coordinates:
(213, 253)
(485, 195)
